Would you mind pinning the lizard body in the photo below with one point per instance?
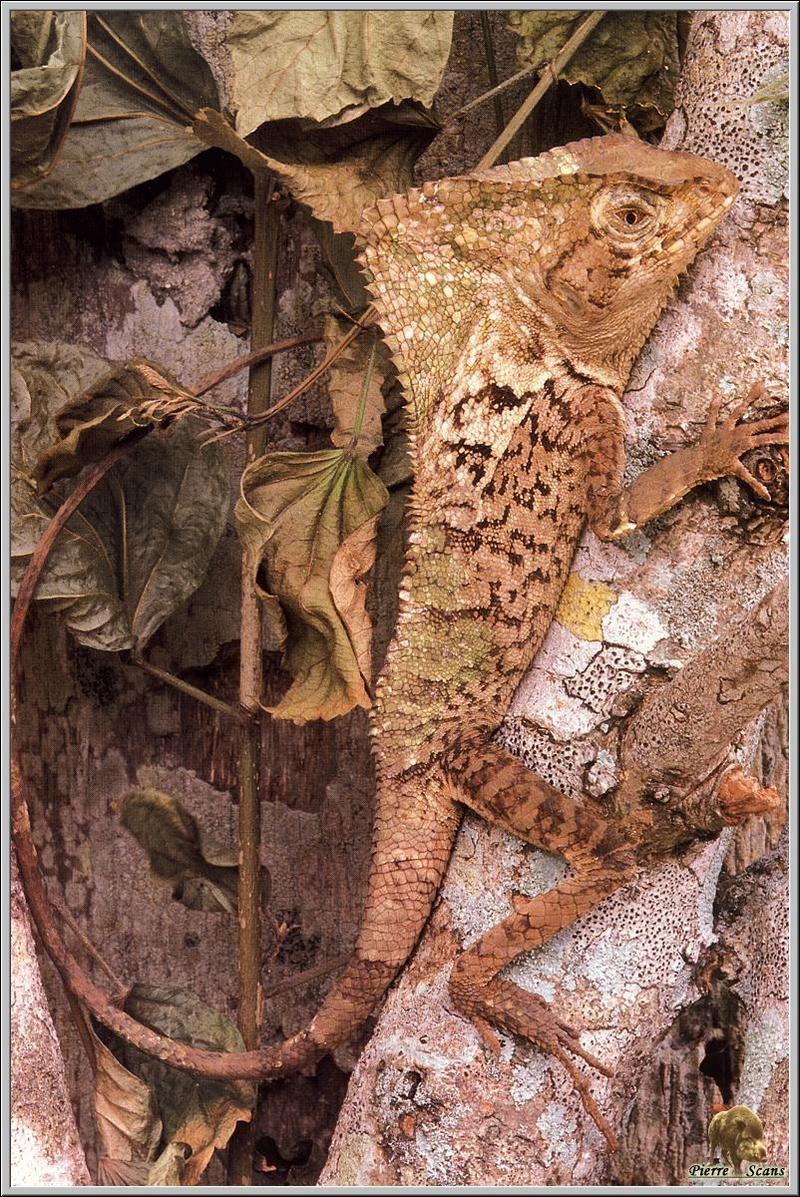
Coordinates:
(515, 302)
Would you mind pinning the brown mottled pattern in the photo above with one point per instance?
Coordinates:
(514, 302)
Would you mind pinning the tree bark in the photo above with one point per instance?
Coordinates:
(117, 278)
(44, 1144)
(427, 1103)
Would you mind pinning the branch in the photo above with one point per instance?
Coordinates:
(209, 381)
(251, 679)
(209, 700)
(549, 75)
(252, 1065)
(679, 736)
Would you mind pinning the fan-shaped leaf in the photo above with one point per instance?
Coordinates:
(142, 85)
(296, 517)
(50, 48)
(633, 58)
(140, 543)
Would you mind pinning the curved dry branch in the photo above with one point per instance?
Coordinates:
(679, 738)
(220, 1065)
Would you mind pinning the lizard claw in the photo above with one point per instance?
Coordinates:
(724, 443)
(528, 1015)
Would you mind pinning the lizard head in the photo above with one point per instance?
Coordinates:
(571, 255)
(637, 216)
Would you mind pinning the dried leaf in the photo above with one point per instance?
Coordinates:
(632, 57)
(353, 561)
(204, 874)
(327, 64)
(340, 189)
(134, 395)
(141, 542)
(198, 1113)
(50, 48)
(128, 1124)
(346, 379)
(142, 84)
(296, 513)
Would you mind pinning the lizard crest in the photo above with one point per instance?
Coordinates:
(573, 253)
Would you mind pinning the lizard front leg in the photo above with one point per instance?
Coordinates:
(497, 786)
(615, 509)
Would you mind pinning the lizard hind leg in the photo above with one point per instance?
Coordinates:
(502, 790)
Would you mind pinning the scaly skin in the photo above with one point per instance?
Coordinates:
(515, 302)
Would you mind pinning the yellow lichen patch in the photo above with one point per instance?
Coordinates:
(583, 607)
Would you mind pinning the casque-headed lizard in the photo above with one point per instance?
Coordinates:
(514, 301)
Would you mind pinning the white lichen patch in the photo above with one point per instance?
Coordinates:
(558, 1131)
(563, 653)
(766, 1044)
(634, 624)
(542, 698)
(726, 283)
(527, 1079)
(436, 1154)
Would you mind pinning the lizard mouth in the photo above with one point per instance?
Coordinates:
(697, 231)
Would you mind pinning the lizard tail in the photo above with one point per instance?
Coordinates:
(415, 827)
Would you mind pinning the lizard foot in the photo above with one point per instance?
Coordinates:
(724, 443)
(526, 1014)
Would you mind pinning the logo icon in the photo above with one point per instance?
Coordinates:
(737, 1135)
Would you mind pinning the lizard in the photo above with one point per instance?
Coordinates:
(514, 301)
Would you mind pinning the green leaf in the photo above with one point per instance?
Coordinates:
(632, 57)
(200, 1113)
(310, 520)
(326, 64)
(204, 874)
(140, 543)
(142, 85)
(50, 48)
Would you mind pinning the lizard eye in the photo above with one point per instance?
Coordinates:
(626, 214)
(634, 218)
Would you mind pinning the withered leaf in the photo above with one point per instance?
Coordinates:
(204, 874)
(632, 57)
(340, 189)
(326, 65)
(363, 363)
(296, 514)
(201, 1114)
(134, 395)
(128, 1123)
(142, 84)
(140, 543)
(49, 48)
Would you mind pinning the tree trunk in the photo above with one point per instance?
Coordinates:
(45, 1148)
(428, 1104)
(119, 278)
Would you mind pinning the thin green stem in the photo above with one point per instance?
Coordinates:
(265, 262)
(365, 385)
